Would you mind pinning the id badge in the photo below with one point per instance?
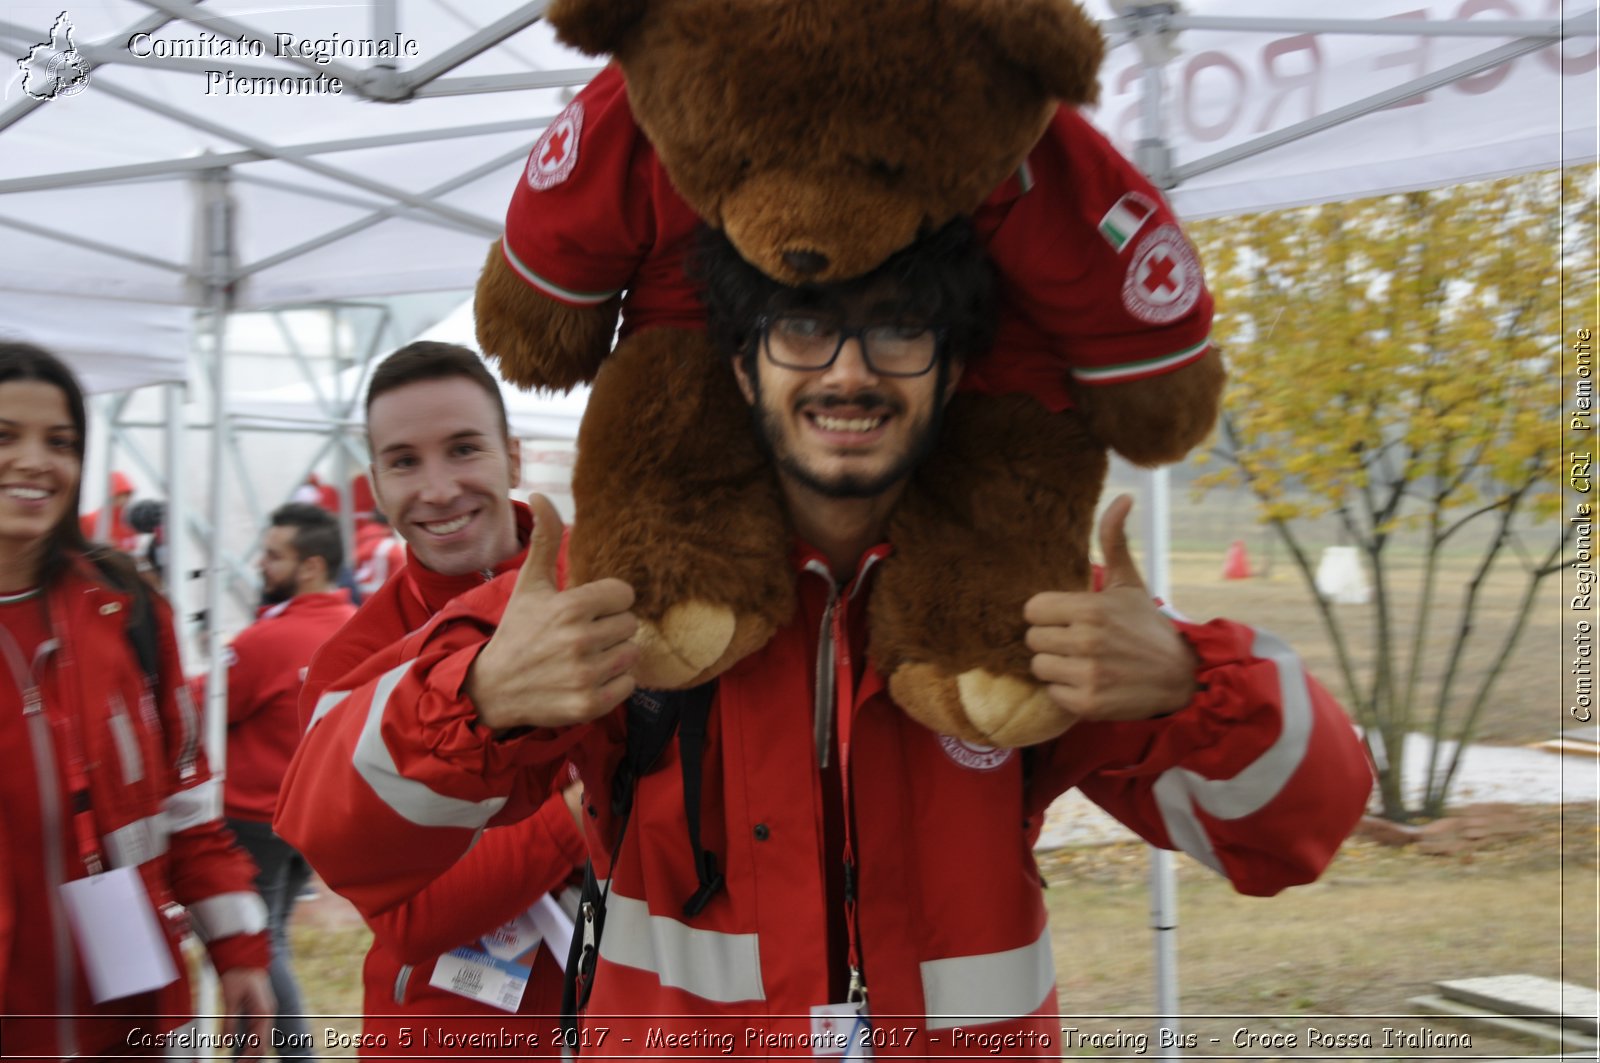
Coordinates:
(841, 1031)
(119, 937)
(494, 970)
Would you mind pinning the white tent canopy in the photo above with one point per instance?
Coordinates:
(336, 196)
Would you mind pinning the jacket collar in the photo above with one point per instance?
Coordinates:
(437, 590)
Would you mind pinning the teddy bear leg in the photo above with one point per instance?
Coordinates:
(675, 497)
(1002, 510)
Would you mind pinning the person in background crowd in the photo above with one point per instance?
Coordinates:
(301, 608)
(118, 531)
(380, 553)
(110, 845)
(443, 466)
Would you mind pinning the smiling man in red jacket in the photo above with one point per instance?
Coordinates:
(443, 466)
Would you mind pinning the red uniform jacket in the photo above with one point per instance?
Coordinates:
(1261, 777)
(505, 872)
(154, 806)
(1100, 284)
(267, 665)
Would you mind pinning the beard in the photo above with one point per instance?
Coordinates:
(924, 434)
(276, 593)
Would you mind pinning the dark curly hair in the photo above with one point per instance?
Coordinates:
(945, 278)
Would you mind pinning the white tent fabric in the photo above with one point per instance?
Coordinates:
(337, 196)
(112, 346)
(1225, 88)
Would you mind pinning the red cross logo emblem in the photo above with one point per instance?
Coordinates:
(1163, 281)
(1158, 275)
(555, 150)
(556, 153)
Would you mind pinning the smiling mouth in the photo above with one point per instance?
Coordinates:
(28, 494)
(831, 423)
(446, 527)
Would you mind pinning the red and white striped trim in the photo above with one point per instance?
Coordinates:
(549, 287)
(1181, 793)
(967, 990)
(409, 799)
(1117, 374)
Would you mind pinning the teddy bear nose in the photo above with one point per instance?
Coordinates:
(805, 262)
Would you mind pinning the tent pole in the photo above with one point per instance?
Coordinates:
(175, 565)
(214, 260)
(1153, 34)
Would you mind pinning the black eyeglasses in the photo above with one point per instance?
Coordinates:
(812, 342)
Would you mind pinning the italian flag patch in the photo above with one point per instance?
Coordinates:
(1125, 218)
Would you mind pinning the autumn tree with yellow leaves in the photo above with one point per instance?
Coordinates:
(1395, 364)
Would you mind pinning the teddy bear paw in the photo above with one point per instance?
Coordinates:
(978, 706)
(693, 642)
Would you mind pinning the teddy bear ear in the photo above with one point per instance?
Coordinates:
(1055, 40)
(595, 27)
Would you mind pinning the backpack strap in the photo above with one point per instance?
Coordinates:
(654, 716)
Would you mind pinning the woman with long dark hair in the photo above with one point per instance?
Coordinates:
(110, 841)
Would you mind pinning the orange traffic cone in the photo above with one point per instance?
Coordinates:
(1237, 564)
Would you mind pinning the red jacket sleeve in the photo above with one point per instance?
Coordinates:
(1261, 777)
(397, 763)
(211, 876)
(508, 869)
(579, 222)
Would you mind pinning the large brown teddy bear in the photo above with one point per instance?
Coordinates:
(821, 136)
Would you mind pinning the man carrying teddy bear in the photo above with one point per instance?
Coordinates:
(839, 864)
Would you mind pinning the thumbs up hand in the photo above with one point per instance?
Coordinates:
(558, 657)
(1110, 654)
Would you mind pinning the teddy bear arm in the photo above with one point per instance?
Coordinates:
(1158, 419)
(538, 341)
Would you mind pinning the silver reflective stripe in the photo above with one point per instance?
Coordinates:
(1178, 792)
(725, 968)
(967, 990)
(198, 804)
(407, 798)
(143, 839)
(227, 914)
(402, 980)
(325, 705)
(190, 751)
(127, 742)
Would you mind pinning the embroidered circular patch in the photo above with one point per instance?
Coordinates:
(1164, 281)
(971, 755)
(557, 151)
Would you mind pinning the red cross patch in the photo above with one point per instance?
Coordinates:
(556, 153)
(1163, 281)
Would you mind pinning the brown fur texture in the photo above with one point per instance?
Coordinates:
(538, 342)
(822, 136)
(672, 491)
(1159, 419)
(928, 107)
(1003, 509)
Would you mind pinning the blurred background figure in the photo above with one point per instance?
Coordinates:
(301, 608)
(109, 524)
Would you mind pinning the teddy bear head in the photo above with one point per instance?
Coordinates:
(823, 135)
